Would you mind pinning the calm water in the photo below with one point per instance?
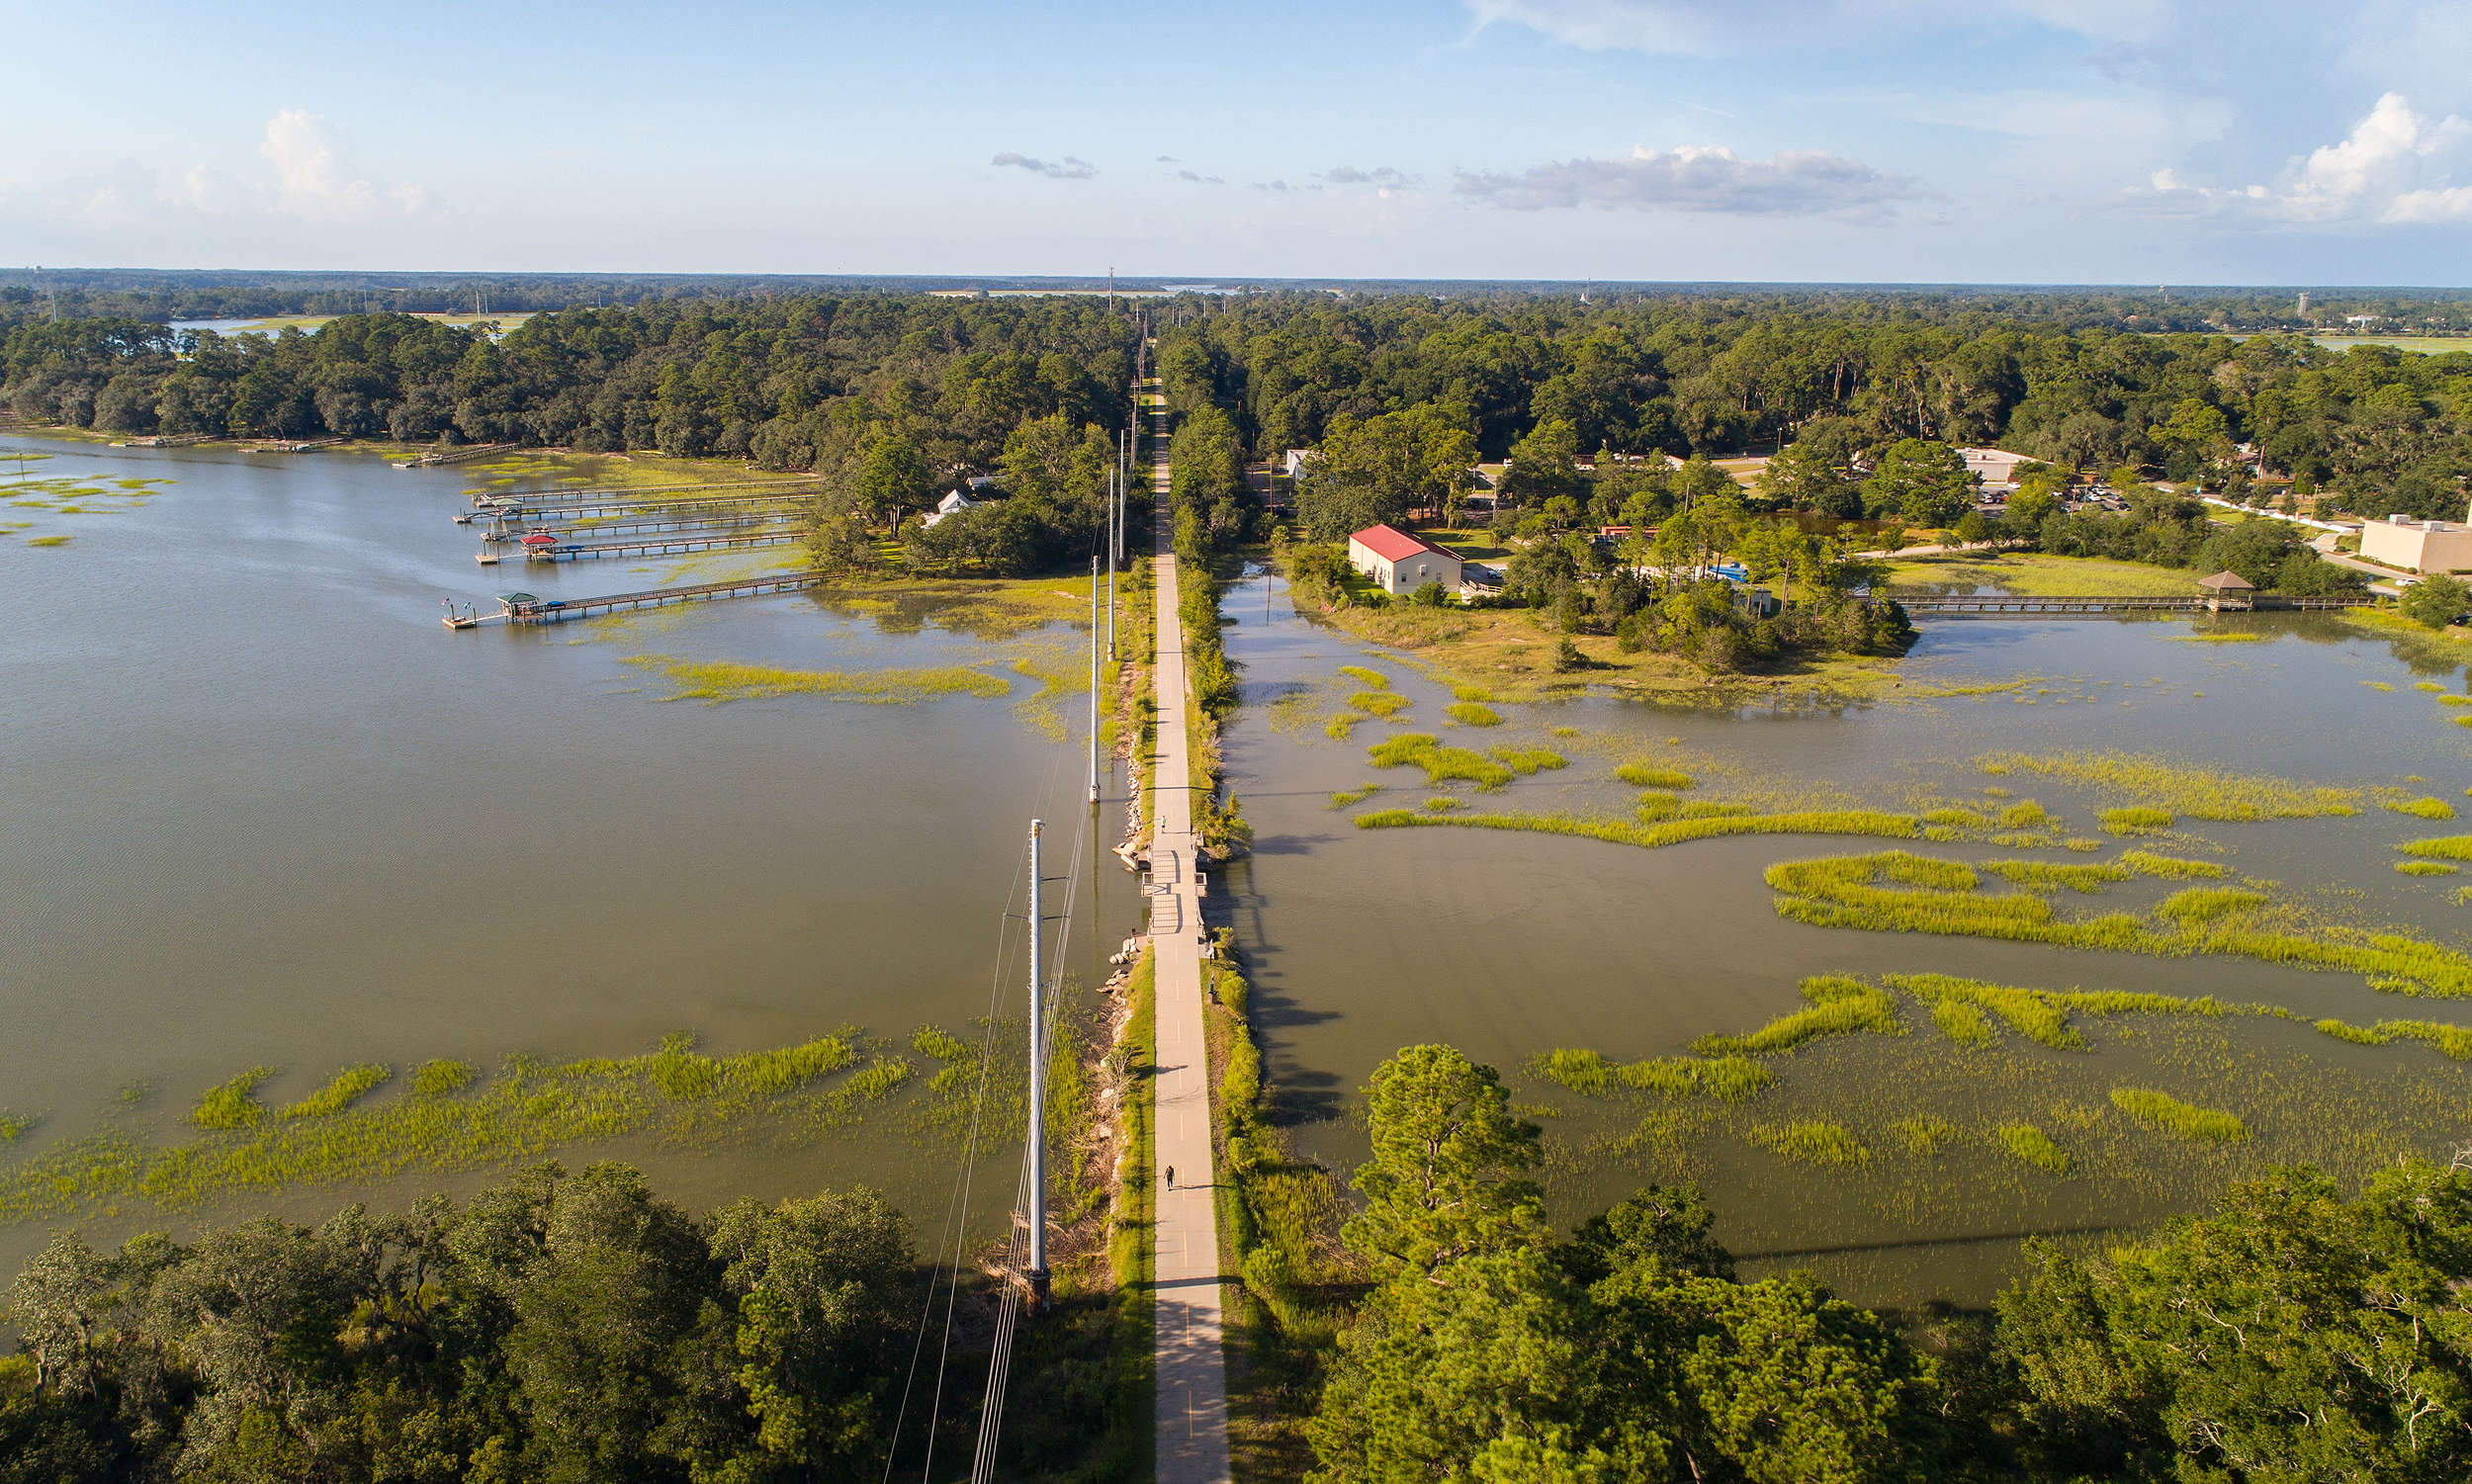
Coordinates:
(261, 807)
(1510, 944)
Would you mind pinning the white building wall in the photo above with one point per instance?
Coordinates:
(2424, 547)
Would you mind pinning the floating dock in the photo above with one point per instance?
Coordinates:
(2004, 606)
(527, 608)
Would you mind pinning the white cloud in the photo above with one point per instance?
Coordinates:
(2395, 165)
(315, 175)
(1699, 178)
(1691, 27)
(1069, 169)
(1384, 176)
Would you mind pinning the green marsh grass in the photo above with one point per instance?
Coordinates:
(2136, 819)
(1839, 1006)
(1476, 693)
(232, 1104)
(2168, 1112)
(440, 1078)
(2179, 788)
(1926, 1135)
(1582, 1071)
(1728, 1079)
(1811, 1142)
(934, 1041)
(2420, 809)
(2168, 867)
(13, 1126)
(1343, 726)
(2445, 847)
(2426, 868)
(718, 681)
(2358, 1035)
(2429, 685)
(2043, 876)
(530, 1110)
(1347, 796)
(1656, 834)
(1444, 804)
(2454, 1040)
(1381, 703)
(48, 540)
(2033, 1146)
(1897, 892)
(1647, 775)
(1488, 770)
(350, 1084)
(1475, 714)
(2377, 686)
(1371, 678)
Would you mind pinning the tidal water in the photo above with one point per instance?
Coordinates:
(1509, 944)
(261, 809)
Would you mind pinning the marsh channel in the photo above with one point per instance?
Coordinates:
(263, 811)
(1513, 944)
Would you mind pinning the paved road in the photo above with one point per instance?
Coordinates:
(1190, 1367)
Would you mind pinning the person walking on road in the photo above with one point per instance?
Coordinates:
(1171, 1177)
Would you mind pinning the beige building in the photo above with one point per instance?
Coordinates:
(2421, 546)
(1400, 564)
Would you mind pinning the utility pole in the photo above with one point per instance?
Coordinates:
(1094, 681)
(1037, 1273)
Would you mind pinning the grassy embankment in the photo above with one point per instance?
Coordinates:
(2034, 575)
(1278, 1223)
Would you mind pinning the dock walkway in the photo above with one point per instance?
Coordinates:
(663, 545)
(1189, 1367)
(2002, 605)
(525, 608)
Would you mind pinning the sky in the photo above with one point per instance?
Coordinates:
(2133, 142)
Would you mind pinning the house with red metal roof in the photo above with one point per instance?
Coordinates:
(1399, 563)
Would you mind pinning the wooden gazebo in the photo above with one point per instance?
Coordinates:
(2227, 589)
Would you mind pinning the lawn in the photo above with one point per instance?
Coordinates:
(2032, 575)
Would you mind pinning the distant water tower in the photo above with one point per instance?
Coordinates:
(2304, 302)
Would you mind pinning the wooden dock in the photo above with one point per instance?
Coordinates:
(525, 608)
(458, 455)
(2006, 606)
(529, 509)
(643, 494)
(646, 525)
(662, 546)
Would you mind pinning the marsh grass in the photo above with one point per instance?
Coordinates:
(2426, 868)
(1488, 770)
(2177, 788)
(2377, 686)
(349, 1086)
(1347, 796)
(1839, 1006)
(1343, 726)
(1444, 804)
(232, 1104)
(2033, 1146)
(1811, 1142)
(48, 540)
(2168, 867)
(1897, 892)
(2358, 1035)
(2168, 1112)
(531, 1108)
(934, 1041)
(2042, 876)
(1656, 833)
(716, 683)
(1474, 693)
(2420, 809)
(2136, 819)
(2445, 847)
(1926, 1135)
(441, 1077)
(1648, 775)
(1475, 714)
(14, 1126)
(1381, 703)
(2453, 1040)
(1371, 678)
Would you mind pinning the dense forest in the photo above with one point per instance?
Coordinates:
(811, 382)
(577, 1327)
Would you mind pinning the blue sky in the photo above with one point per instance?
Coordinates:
(1993, 140)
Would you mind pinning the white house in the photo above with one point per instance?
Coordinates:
(1399, 562)
(2421, 546)
(951, 504)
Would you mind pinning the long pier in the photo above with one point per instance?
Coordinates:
(530, 509)
(662, 546)
(648, 494)
(2009, 606)
(646, 525)
(526, 608)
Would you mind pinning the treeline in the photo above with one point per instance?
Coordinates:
(1214, 511)
(560, 1327)
(2373, 427)
(2291, 1335)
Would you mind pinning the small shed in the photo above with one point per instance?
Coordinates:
(2227, 589)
